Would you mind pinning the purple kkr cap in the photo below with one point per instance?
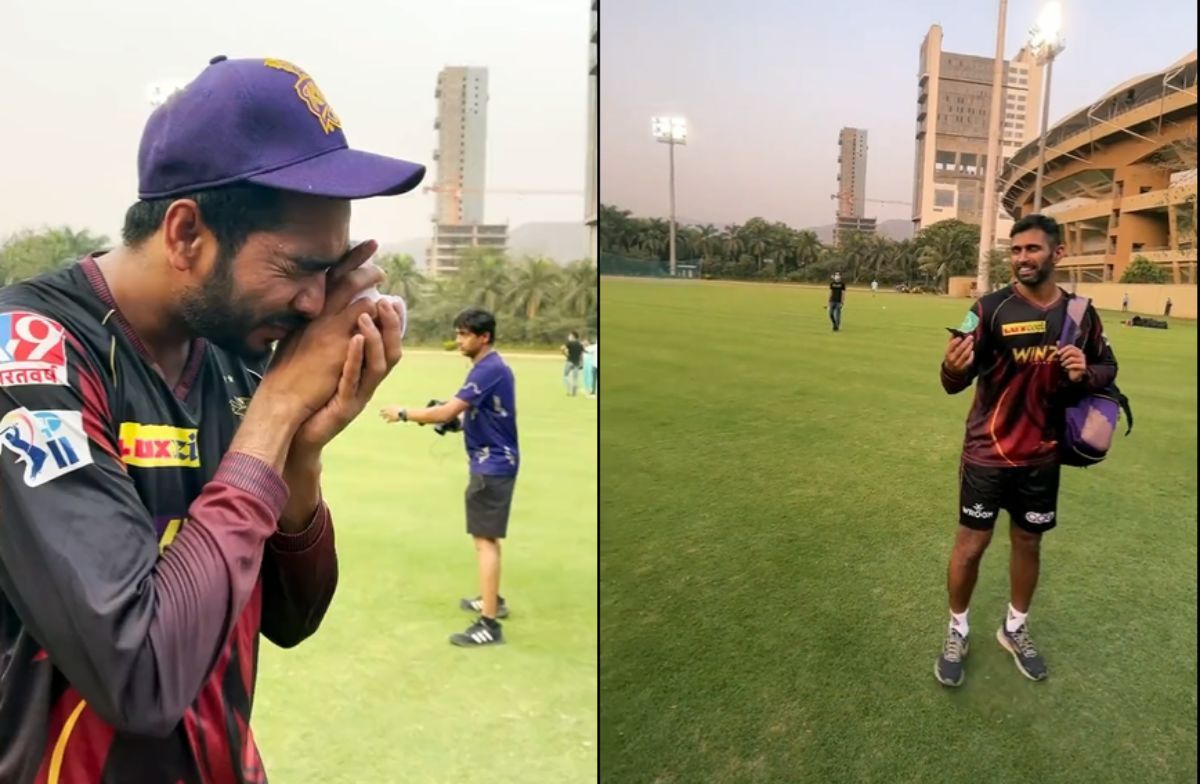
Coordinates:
(263, 122)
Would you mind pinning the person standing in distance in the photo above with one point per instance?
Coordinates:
(1010, 459)
(589, 368)
(488, 406)
(837, 292)
(573, 351)
(874, 287)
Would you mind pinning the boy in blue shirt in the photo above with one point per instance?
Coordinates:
(487, 405)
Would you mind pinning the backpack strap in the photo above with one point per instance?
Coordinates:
(1072, 327)
(1124, 402)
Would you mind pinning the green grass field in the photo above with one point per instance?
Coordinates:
(378, 694)
(778, 504)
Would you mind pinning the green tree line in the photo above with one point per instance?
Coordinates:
(759, 249)
(535, 300)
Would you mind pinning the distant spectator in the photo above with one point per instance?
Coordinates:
(573, 351)
(1125, 303)
(1167, 312)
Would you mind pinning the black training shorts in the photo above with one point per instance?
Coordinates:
(488, 500)
(1028, 493)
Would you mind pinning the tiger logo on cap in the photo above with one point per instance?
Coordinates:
(312, 96)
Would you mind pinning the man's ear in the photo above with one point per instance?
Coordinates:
(184, 234)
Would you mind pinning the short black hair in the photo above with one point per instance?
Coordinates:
(477, 321)
(573, 334)
(232, 212)
(1039, 221)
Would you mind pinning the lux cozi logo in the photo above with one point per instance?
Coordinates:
(158, 446)
(1036, 355)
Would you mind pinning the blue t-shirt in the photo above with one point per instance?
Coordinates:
(490, 425)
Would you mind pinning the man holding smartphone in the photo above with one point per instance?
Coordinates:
(1009, 343)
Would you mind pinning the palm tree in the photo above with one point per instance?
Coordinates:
(579, 291)
(484, 279)
(706, 234)
(401, 276)
(807, 250)
(533, 283)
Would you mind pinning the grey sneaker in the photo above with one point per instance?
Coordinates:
(476, 606)
(1029, 661)
(949, 667)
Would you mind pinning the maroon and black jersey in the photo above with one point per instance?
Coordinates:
(139, 559)
(1021, 387)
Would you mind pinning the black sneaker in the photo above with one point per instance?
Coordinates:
(949, 667)
(479, 633)
(476, 606)
(1028, 660)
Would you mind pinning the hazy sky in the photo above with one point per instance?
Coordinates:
(75, 76)
(766, 84)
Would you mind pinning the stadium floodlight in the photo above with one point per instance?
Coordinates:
(1046, 38)
(671, 131)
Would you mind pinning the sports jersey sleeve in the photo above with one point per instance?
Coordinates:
(972, 325)
(300, 573)
(1101, 362)
(479, 383)
(135, 632)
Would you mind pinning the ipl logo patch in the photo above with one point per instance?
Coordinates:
(312, 96)
(48, 443)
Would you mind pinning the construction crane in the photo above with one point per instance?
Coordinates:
(514, 191)
(836, 196)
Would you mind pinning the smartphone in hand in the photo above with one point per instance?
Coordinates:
(958, 333)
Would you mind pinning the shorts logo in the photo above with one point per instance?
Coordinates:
(49, 443)
(1023, 328)
(1038, 518)
(158, 446)
(238, 406)
(978, 512)
(312, 96)
(31, 350)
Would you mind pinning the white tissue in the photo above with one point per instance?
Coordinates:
(372, 294)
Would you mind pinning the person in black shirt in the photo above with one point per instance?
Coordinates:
(837, 291)
(573, 351)
(1010, 460)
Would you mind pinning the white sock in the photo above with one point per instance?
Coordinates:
(958, 622)
(1015, 620)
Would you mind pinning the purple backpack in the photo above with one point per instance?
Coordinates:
(1089, 423)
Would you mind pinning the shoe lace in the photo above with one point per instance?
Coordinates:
(952, 649)
(1021, 638)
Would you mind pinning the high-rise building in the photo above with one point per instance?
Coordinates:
(591, 205)
(852, 172)
(462, 144)
(954, 101)
(852, 184)
(461, 156)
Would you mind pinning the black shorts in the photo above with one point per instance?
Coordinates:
(1028, 493)
(488, 500)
